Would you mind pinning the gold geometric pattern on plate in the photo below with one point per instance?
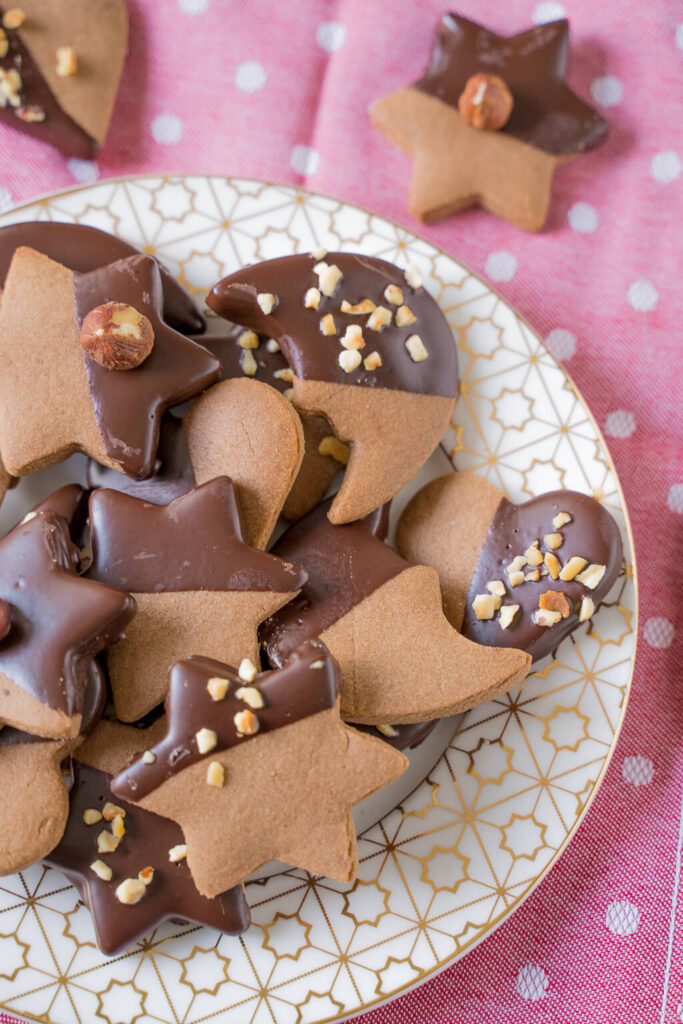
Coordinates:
(440, 871)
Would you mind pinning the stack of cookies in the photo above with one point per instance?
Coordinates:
(210, 653)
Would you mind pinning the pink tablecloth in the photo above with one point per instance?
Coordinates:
(280, 90)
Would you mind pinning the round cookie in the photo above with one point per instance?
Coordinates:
(562, 544)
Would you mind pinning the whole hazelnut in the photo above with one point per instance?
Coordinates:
(486, 102)
(5, 618)
(116, 336)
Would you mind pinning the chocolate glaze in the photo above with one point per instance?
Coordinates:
(195, 543)
(291, 693)
(546, 114)
(71, 503)
(5, 618)
(129, 404)
(59, 620)
(58, 128)
(345, 564)
(147, 840)
(314, 356)
(227, 350)
(94, 703)
(407, 736)
(82, 248)
(592, 534)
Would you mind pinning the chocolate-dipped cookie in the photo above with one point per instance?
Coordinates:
(82, 249)
(60, 64)
(53, 622)
(88, 364)
(198, 586)
(356, 585)
(490, 121)
(142, 881)
(513, 575)
(260, 769)
(370, 351)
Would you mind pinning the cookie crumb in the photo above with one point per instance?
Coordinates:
(267, 302)
(217, 687)
(130, 891)
(206, 740)
(335, 448)
(215, 775)
(177, 853)
(349, 360)
(573, 567)
(102, 870)
(416, 348)
(247, 670)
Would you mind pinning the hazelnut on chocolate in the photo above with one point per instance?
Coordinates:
(486, 102)
(5, 619)
(117, 336)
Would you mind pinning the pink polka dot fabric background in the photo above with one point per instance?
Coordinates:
(280, 91)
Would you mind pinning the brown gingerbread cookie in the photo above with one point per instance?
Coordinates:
(357, 588)
(60, 64)
(88, 364)
(370, 350)
(123, 859)
(489, 122)
(260, 770)
(197, 585)
(512, 575)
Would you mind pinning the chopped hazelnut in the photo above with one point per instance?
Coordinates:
(555, 601)
(248, 339)
(206, 740)
(130, 891)
(517, 563)
(272, 345)
(146, 875)
(516, 577)
(349, 360)
(591, 576)
(379, 318)
(4, 45)
(118, 828)
(552, 564)
(312, 298)
(327, 325)
(507, 615)
(496, 587)
(573, 567)
(405, 316)
(34, 114)
(288, 393)
(416, 348)
(107, 842)
(393, 294)
(361, 308)
(319, 253)
(285, 374)
(215, 775)
(553, 541)
(67, 62)
(561, 519)
(372, 361)
(248, 363)
(247, 670)
(486, 102)
(328, 277)
(335, 448)
(251, 696)
(102, 870)
(14, 18)
(546, 618)
(177, 853)
(533, 555)
(533, 576)
(246, 723)
(111, 811)
(116, 336)
(353, 337)
(91, 816)
(587, 609)
(317, 664)
(413, 275)
(387, 730)
(10, 87)
(484, 606)
(217, 687)
(148, 757)
(267, 302)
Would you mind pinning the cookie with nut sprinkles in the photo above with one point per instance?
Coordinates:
(521, 576)
(489, 122)
(240, 769)
(88, 364)
(369, 350)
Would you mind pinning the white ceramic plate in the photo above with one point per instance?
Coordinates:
(444, 859)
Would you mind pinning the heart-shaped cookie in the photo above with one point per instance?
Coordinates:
(512, 575)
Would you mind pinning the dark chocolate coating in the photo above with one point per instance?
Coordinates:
(82, 248)
(5, 618)
(195, 543)
(407, 736)
(94, 703)
(58, 128)
(129, 404)
(227, 350)
(147, 840)
(314, 356)
(291, 693)
(533, 64)
(592, 534)
(71, 503)
(59, 620)
(345, 564)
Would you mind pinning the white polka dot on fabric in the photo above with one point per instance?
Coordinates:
(85, 171)
(193, 6)
(304, 160)
(548, 10)
(607, 91)
(666, 166)
(583, 218)
(250, 76)
(501, 266)
(637, 770)
(643, 296)
(167, 129)
(331, 35)
(658, 632)
(562, 343)
(622, 917)
(620, 423)
(674, 498)
(531, 982)
(6, 200)
(679, 36)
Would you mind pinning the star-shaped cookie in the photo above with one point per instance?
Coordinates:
(55, 398)
(260, 772)
(508, 172)
(57, 622)
(147, 842)
(357, 589)
(197, 585)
